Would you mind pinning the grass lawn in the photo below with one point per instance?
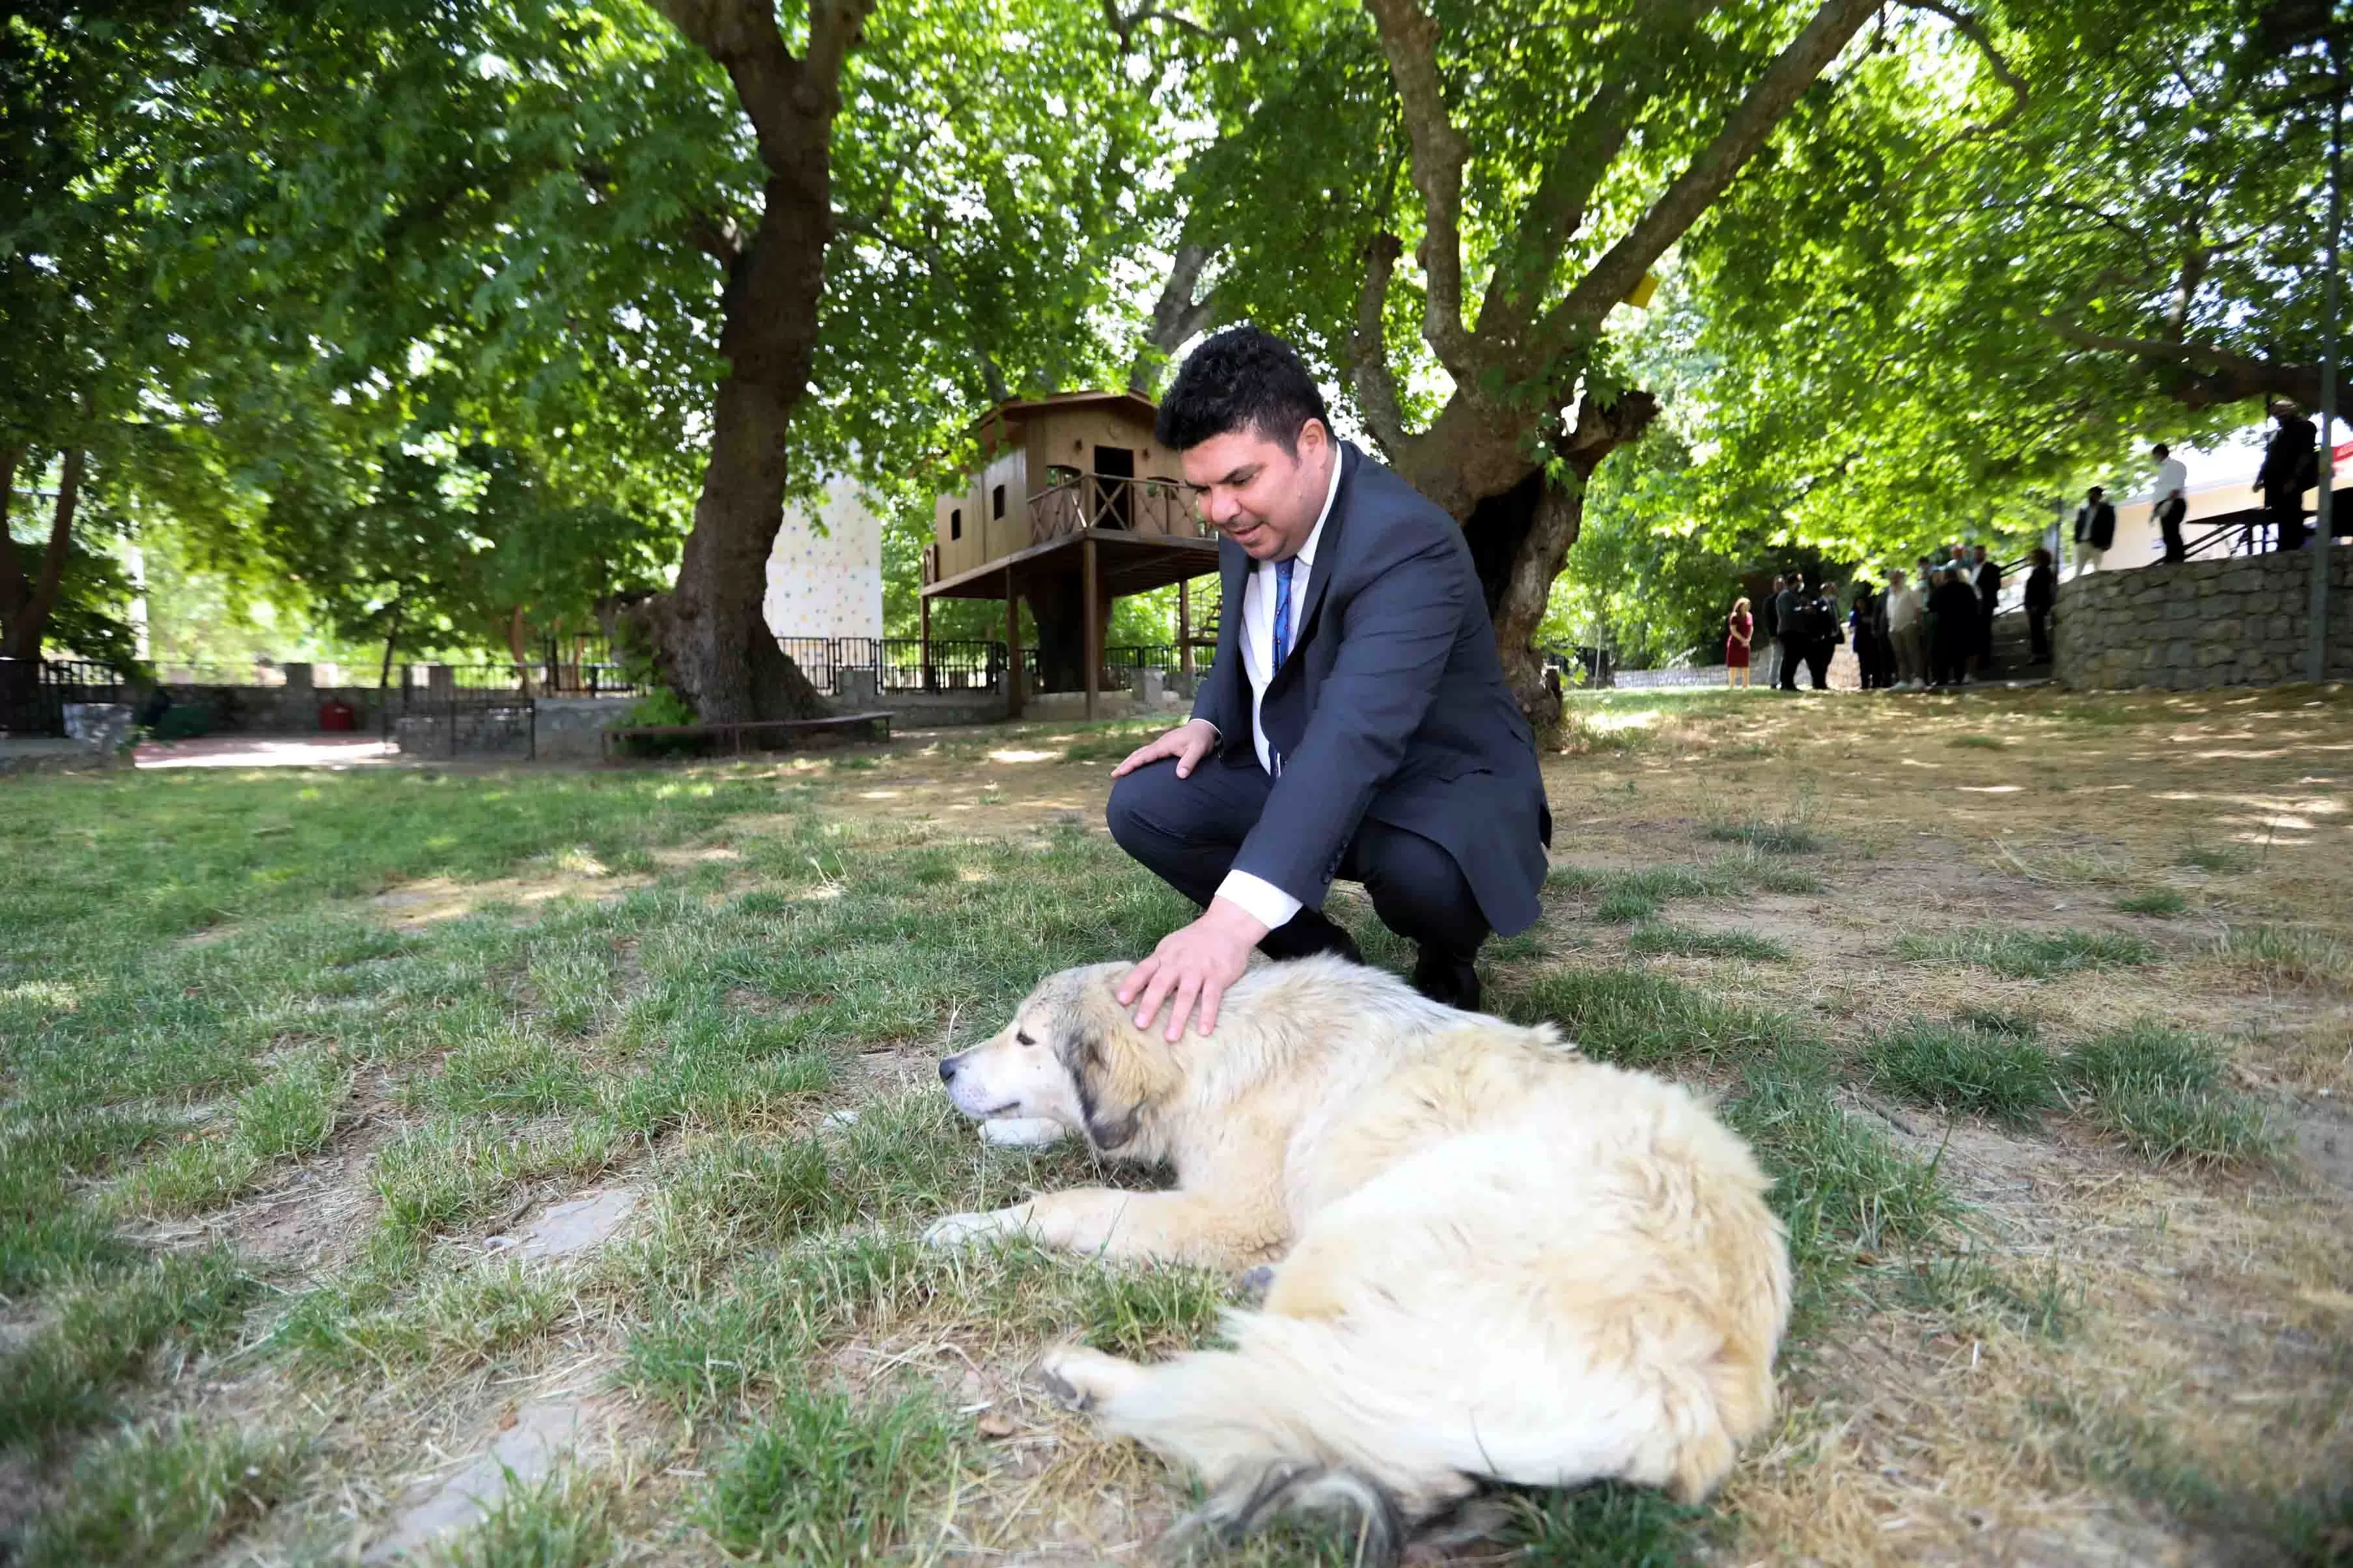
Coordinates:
(369, 1133)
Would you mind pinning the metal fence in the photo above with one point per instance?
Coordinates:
(899, 664)
(34, 692)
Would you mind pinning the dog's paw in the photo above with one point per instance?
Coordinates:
(1079, 1378)
(1022, 1132)
(962, 1229)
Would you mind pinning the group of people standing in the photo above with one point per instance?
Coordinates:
(1932, 629)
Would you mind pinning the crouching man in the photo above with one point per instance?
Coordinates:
(1355, 723)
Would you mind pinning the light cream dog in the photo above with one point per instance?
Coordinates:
(1494, 1259)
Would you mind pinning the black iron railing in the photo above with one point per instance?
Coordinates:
(34, 692)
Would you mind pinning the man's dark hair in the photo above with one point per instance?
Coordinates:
(2096, 492)
(2161, 450)
(1243, 378)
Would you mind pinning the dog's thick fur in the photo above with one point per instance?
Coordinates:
(1494, 1259)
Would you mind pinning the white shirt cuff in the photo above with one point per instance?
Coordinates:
(1259, 899)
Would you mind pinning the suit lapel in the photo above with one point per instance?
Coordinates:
(1328, 554)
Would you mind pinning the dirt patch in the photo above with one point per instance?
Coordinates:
(414, 906)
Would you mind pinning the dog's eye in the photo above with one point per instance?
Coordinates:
(1021, 1037)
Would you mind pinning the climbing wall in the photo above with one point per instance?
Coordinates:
(828, 582)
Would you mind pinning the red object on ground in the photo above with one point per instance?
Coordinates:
(338, 715)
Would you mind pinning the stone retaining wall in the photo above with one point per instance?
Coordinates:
(2241, 621)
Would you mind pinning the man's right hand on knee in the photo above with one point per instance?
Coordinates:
(1188, 743)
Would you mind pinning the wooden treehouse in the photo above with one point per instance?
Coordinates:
(1072, 504)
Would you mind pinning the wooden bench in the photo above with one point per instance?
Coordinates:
(734, 737)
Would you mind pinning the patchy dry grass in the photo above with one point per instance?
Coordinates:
(2086, 1305)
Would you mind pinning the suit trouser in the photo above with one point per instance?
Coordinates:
(1910, 653)
(1817, 664)
(2038, 626)
(1793, 659)
(2169, 523)
(1187, 831)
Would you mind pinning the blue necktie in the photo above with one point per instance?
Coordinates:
(1281, 640)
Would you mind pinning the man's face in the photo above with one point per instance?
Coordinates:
(1258, 494)
(1981, 553)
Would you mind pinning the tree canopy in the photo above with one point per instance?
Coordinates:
(491, 307)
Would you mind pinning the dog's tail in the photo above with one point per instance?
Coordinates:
(1360, 1508)
(1290, 1423)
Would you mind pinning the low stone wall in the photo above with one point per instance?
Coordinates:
(572, 729)
(276, 710)
(2241, 621)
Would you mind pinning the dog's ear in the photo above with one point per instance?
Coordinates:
(1113, 1112)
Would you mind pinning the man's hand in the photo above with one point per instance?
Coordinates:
(1188, 743)
(1193, 966)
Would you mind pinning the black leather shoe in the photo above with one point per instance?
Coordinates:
(1445, 979)
(1306, 934)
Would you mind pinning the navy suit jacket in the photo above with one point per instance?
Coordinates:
(1392, 705)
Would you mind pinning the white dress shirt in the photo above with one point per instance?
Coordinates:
(2172, 479)
(1267, 903)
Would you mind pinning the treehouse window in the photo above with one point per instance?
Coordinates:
(997, 503)
(955, 522)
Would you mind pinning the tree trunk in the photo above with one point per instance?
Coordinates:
(708, 634)
(1520, 517)
(25, 605)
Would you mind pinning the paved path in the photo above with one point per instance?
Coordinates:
(269, 752)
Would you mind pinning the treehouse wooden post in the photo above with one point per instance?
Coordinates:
(1012, 644)
(1091, 591)
(1185, 630)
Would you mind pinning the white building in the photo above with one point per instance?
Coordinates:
(827, 581)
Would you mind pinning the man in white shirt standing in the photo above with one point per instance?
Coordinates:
(1907, 622)
(1353, 724)
(2172, 496)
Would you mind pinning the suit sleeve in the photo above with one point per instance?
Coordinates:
(1399, 632)
(1224, 663)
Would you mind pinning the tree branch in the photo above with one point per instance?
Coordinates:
(1124, 25)
(787, 100)
(1680, 206)
(1368, 355)
(1409, 39)
(2199, 375)
(1178, 317)
(717, 237)
(1555, 212)
(1976, 33)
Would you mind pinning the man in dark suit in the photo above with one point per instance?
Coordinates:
(1987, 581)
(1355, 723)
(2095, 529)
(2291, 467)
(1789, 626)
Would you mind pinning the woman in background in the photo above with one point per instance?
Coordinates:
(1739, 631)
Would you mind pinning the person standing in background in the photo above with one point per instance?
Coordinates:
(1768, 630)
(1823, 635)
(1986, 579)
(2172, 493)
(1739, 633)
(2095, 529)
(1907, 618)
(1952, 624)
(2042, 593)
(2291, 467)
(1789, 627)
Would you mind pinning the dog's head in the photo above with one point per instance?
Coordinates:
(1071, 1055)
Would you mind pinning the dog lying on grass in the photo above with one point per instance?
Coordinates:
(1494, 1260)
